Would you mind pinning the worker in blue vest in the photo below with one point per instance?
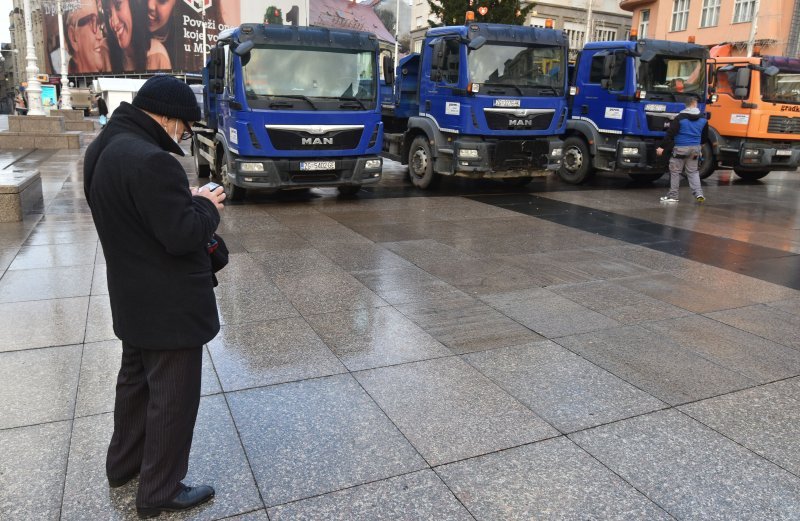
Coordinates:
(687, 133)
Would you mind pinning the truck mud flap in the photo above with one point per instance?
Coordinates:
(510, 155)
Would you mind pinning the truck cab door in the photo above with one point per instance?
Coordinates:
(603, 99)
(228, 103)
(442, 95)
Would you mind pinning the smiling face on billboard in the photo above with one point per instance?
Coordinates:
(85, 38)
(159, 13)
(120, 20)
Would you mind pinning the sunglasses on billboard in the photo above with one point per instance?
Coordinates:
(90, 20)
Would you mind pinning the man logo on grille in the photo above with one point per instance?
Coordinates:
(317, 141)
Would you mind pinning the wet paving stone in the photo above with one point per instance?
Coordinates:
(450, 411)
(768, 322)
(43, 323)
(46, 283)
(552, 479)
(317, 436)
(692, 471)
(565, 390)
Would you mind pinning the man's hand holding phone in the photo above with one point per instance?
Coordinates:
(213, 192)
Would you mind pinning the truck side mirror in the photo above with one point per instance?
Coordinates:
(771, 71)
(216, 63)
(438, 55)
(244, 48)
(388, 69)
(742, 83)
(609, 63)
(476, 43)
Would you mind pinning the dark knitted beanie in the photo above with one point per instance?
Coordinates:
(168, 96)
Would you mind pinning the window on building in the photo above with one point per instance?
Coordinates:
(604, 34)
(418, 46)
(743, 10)
(419, 21)
(680, 15)
(576, 34)
(709, 17)
(644, 23)
(538, 22)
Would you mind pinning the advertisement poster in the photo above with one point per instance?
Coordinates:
(135, 36)
(49, 98)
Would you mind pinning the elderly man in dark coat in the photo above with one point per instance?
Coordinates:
(154, 231)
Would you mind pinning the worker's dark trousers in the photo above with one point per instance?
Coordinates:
(158, 393)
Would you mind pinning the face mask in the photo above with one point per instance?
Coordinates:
(175, 136)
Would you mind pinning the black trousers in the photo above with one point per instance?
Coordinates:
(158, 393)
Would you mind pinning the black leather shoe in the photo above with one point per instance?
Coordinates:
(187, 498)
(119, 482)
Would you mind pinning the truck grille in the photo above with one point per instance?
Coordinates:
(783, 125)
(507, 120)
(283, 139)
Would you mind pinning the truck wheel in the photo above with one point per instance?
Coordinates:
(646, 178)
(751, 175)
(203, 170)
(420, 164)
(707, 163)
(577, 164)
(235, 193)
(349, 190)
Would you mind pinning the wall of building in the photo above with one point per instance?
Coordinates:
(773, 26)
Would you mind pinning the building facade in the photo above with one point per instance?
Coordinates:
(607, 20)
(712, 22)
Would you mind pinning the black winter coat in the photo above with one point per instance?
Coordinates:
(154, 235)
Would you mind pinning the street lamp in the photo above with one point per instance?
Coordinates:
(34, 87)
(66, 95)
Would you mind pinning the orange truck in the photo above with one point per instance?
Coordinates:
(755, 118)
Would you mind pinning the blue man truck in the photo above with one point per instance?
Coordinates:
(290, 107)
(480, 101)
(623, 96)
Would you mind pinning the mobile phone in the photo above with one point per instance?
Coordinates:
(209, 186)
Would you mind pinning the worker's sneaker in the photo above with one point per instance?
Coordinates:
(700, 199)
(669, 199)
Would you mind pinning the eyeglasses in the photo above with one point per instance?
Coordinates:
(91, 21)
(187, 134)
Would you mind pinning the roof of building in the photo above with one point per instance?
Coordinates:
(344, 14)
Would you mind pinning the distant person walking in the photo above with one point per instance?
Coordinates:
(102, 110)
(155, 232)
(685, 137)
(20, 106)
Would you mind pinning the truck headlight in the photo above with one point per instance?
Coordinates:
(752, 152)
(556, 152)
(372, 164)
(468, 153)
(629, 151)
(251, 167)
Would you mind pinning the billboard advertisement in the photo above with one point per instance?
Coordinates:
(135, 36)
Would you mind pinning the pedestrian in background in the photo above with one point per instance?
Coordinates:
(102, 110)
(154, 231)
(687, 133)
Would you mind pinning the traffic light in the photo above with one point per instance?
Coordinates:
(293, 16)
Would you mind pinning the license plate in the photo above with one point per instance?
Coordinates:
(308, 166)
(783, 152)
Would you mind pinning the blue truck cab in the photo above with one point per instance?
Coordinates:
(481, 101)
(291, 107)
(623, 96)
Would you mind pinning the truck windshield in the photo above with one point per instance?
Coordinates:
(518, 67)
(672, 75)
(784, 87)
(303, 74)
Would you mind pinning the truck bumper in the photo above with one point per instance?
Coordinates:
(276, 174)
(758, 156)
(638, 155)
(506, 158)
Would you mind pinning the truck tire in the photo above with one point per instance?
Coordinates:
(420, 164)
(349, 190)
(235, 193)
(751, 175)
(577, 164)
(202, 170)
(708, 162)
